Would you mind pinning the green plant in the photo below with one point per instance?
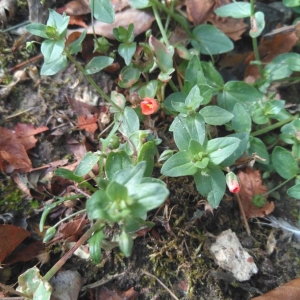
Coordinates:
(213, 123)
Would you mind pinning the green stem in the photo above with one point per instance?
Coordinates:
(160, 26)
(273, 126)
(82, 240)
(254, 42)
(92, 82)
(173, 15)
(69, 217)
(277, 187)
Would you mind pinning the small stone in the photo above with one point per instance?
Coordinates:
(231, 256)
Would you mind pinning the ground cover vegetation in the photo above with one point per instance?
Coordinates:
(174, 111)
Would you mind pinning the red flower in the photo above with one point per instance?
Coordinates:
(233, 183)
(149, 106)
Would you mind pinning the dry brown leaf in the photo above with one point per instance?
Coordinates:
(26, 132)
(141, 20)
(75, 8)
(88, 122)
(233, 28)
(269, 48)
(288, 291)
(198, 11)
(13, 156)
(251, 185)
(10, 236)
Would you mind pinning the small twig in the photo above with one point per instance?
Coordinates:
(161, 283)
(243, 214)
(11, 290)
(102, 281)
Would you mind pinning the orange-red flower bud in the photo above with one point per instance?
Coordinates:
(149, 106)
(232, 182)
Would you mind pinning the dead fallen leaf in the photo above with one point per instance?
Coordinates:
(105, 293)
(289, 291)
(269, 48)
(26, 254)
(88, 122)
(198, 11)
(13, 156)
(233, 28)
(26, 132)
(251, 185)
(141, 20)
(10, 236)
(75, 8)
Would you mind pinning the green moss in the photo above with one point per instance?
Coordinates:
(10, 196)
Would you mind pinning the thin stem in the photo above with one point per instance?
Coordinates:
(243, 214)
(277, 187)
(254, 40)
(63, 260)
(173, 15)
(69, 217)
(92, 82)
(273, 126)
(160, 26)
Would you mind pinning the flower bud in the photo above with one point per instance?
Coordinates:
(232, 182)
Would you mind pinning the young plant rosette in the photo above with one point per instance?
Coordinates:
(149, 106)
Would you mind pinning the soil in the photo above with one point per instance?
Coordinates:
(176, 250)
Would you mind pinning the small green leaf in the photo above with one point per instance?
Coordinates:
(37, 29)
(65, 173)
(95, 243)
(97, 206)
(291, 3)
(125, 243)
(163, 54)
(33, 285)
(139, 4)
(127, 51)
(241, 122)
(52, 50)
(129, 121)
(220, 148)
(148, 90)
(193, 99)
(294, 191)
(103, 10)
(174, 97)
(212, 185)
(238, 92)
(128, 76)
(87, 163)
(258, 24)
(236, 10)
(131, 175)
(116, 161)
(179, 164)
(50, 233)
(146, 154)
(54, 67)
(59, 22)
(97, 64)
(180, 107)
(210, 40)
(284, 163)
(188, 128)
(116, 191)
(76, 46)
(258, 146)
(244, 138)
(215, 115)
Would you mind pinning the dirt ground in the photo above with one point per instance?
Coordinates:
(176, 250)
